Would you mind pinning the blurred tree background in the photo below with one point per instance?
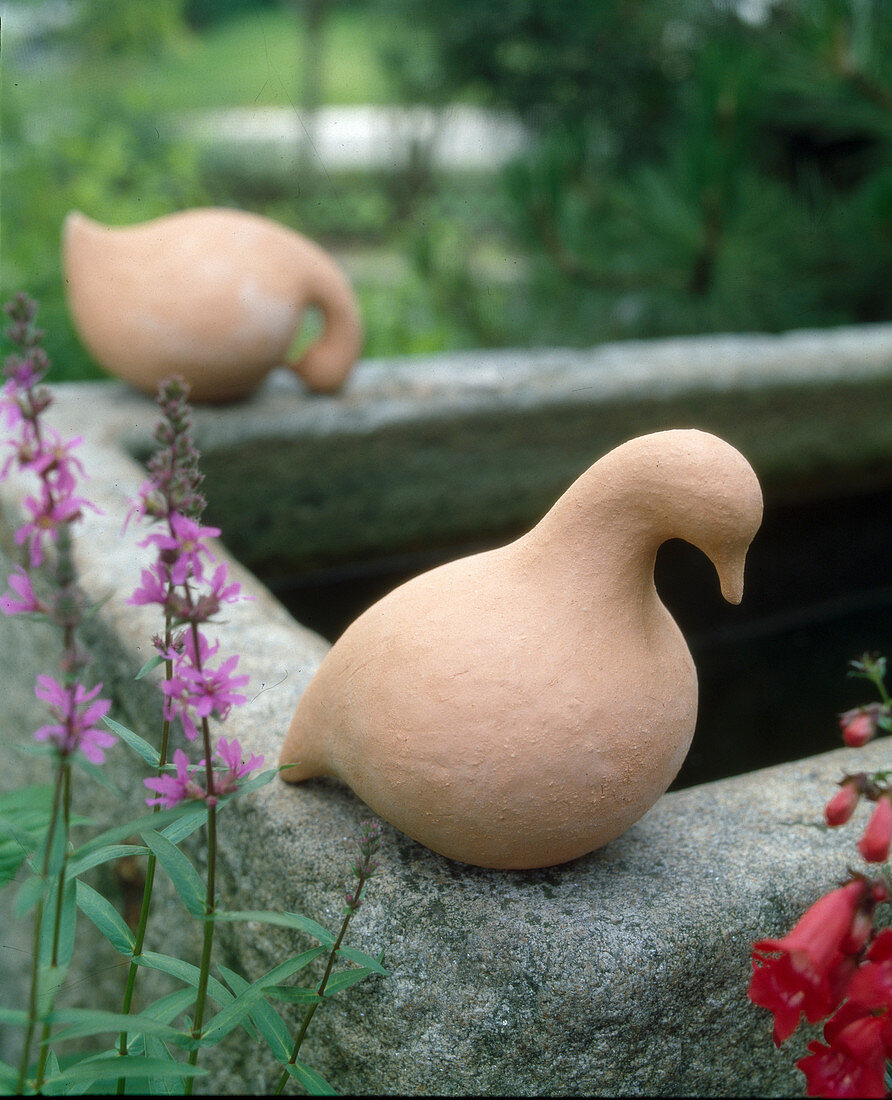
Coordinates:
(693, 166)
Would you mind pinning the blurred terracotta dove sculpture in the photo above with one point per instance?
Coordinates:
(215, 295)
(523, 706)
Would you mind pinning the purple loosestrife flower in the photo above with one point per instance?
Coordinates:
(20, 583)
(152, 587)
(197, 686)
(76, 716)
(183, 548)
(48, 514)
(230, 752)
(174, 789)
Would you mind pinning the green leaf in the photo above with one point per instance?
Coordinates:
(155, 1048)
(233, 1014)
(22, 826)
(139, 744)
(168, 1007)
(30, 893)
(285, 920)
(193, 819)
(131, 828)
(97, 773)
(344, 979)
(185, 972)
(152, 662)
(186, 880)
(363, 959)
(313, 1082)
(128, 1066)
(293, 994)
(106, 918)
(9, 1079)
(258, 781)
(269, 1023)
(87, 1021)
(104, 855)
(49, 982)
(67, 923)
(14, 1017)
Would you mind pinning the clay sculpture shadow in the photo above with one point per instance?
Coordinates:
(215, 295)
(523, 706)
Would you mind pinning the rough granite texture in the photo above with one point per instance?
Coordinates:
(624, 972)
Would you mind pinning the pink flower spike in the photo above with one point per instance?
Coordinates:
(174, 789)
(185, 546)
(76, 715)
(20, 583)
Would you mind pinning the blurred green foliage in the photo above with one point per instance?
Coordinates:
(689, 171)
(693, 171)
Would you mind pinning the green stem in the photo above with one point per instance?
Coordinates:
(57, 917)
(151, 863)
(210, 897)
(311, 1010)
(38, 928)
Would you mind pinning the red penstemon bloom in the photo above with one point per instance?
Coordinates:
(877, 838)
(853, 1061)
(805, 972)
(842, 805)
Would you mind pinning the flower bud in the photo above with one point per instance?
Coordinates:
(874, 844)
(860, 725)
(842, 805)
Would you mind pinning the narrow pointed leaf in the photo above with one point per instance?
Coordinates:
(344, 979)
(293, 994)
(285, 920)
(313, 1082)
(139, 744)
(30, 893)
(67, 923)
(185, 972)
(233, 1014)
(106, 918)
(129, 829)
(165, 1086)
(269, 1023)
(86, 1021)
(13, 1017)
(152, 662)
(104, 855)
(186, 880)
(193, 819)
(49, 982)
(128, 1067)
(97, 773)
(167, 1008)
(363, 959)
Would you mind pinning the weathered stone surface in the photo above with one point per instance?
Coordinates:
(455, 449)
(621, 973)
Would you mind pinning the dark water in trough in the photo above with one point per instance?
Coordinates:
(773, 670)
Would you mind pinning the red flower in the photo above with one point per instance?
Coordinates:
(860, 725)
(842, 805)
(807, 971)
(854, 1062)
(874, 844)
(871, 987)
